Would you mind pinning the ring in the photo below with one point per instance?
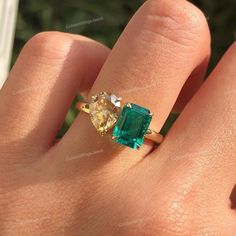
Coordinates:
(130, 123)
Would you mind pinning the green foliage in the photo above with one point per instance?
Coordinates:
(221, 17)
(110, 18)
(44, 15)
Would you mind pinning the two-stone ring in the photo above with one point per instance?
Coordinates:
(130, 124)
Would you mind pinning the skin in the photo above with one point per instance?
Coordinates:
(85, 184)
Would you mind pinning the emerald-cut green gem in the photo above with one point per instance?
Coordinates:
(132, 125)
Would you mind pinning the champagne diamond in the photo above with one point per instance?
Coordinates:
(104, 110)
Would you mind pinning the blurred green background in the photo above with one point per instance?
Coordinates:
(110, 18)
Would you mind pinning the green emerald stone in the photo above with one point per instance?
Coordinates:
(132, 125)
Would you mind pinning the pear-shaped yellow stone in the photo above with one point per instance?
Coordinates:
(104, 110)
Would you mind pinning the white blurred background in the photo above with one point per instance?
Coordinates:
(8, 12)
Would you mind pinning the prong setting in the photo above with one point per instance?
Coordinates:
(118, 99)
(148, 132)
(94, 97)
(129, 105)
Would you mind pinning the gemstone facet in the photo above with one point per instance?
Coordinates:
(132, 125)
(104, 110)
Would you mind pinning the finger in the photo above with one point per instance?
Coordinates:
(161, 46)
(202, 142)
(50, 70)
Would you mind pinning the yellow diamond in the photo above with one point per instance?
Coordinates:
(104, 110)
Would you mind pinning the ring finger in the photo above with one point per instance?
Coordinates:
(161, 46)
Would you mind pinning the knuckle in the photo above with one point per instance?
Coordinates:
(48, 45)
(178, 21)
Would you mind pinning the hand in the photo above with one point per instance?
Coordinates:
(85, 184)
